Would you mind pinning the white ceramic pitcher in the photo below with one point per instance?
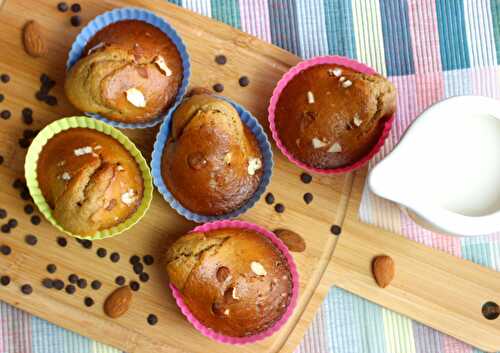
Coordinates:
(446, 168)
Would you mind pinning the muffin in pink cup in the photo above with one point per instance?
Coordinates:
(331, 114)
(235, 281)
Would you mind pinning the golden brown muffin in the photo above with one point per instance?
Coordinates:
(89, 179)
(131, 72)
(212, 163)
(235, 281)
(329, 116)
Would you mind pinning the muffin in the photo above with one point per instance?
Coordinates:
(234, 281)
(89, 180)
(130, 72)
(211, 163)
(330, 116)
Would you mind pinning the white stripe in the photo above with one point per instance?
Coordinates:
(203, 7)
(479, 29)
(311, 27)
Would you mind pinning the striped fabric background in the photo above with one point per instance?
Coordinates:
(430, 49)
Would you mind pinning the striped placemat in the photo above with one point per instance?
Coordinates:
(430, 49)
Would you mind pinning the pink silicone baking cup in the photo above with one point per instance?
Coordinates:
(208, 332)
(287, 77)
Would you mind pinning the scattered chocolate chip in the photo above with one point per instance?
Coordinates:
(220, 59)
(30, 239)
(280, 208)
(134, 286)
(62, 6)
(87, 244)
(88, 301)
(51, 100)
(138, 268)
(335, 229)
(26, 289)
(5, 114)
(1, 160)
(306, 178)
(148, 259)
(58, 284)
(134, 259)
(5, 228)
(28, 209)
(120, 280)
(76, 7)
(308, 197)
(39, 95)
(5, 250)
(47, 283)
(24, 142)
(75, 21)
(5, 280)
(35, 220)
(152, 319)
(114, 257)
(51, 268)
(28, 134)
(82, 283)
(28, 120)
(70, 289)
(72, 278)
(27, 112)
(101, 252)
(12, 223)
(269, 198)
(95, 284)
(4, 78)
(3, 213)
(2, 97)
(244, 81)
(62, 242)
(17, 184)
(144, 277)
(25, 194)
(218, 87)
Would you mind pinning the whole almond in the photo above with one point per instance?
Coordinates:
(292, 240)
(383, 269)
(118, 302)
(34, 42)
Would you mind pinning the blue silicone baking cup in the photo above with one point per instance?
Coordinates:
(130, 13)
(267, 155)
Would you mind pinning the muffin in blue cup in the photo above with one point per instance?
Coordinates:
(211, 160)
(127, 67)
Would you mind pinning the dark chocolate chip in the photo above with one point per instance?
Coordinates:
(24, 142)
(335, 229)
(51, 268)
(269, 198)
(76, 7)
(134, 286)
(280, 208)
(72, 278)
(28, 120)
(144, 277)
(3, 213)
(120, 280)
(39, 95)
(152, 319)
(95, 284)
(1, 160)
(75, 21)
(51, 100)
(5, 280)
(62, 6)
(17, 184)
(2, 97)
(5, 228)
(26, 289)
(70, 289)
(44, 79)
(28, 134)
(30, 239)
(308, 197)
(101, 252)
(88, 301)
(306, 178)
(25, 194)
(47, 283)
(62, 242)
(221, 59)
(5, 249)
(148, 259)
(114, 257)
(5, 114)
(28, 209)
(134, 259)
(244, 81)
(35, 220)
(58, 284)
(27, 112)
(4, 78)
(218, 87)
(82, 283)
(12, 223)
(138, 268)
(87, 244)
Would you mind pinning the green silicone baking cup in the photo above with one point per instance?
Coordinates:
(30, 171)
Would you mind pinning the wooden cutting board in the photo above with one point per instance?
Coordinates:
(437, 289)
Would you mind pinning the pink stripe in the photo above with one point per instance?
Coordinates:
(486, 81)
(424, 35)
(452, 345)
(430, 89)
(255, 18)
(16, 329)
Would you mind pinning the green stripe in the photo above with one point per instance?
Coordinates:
(495, 16)
(227, 11)
(176, 2)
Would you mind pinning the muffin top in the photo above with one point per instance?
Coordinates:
(235, 281)
(330, 116)
(212, 163)
(90, 181)
(131, 72)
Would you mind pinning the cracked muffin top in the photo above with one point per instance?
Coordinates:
(130, 72)
(235, 281)
(330, 116)
(212, 163)
(90, 181)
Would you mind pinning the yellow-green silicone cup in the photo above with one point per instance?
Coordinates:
(30, 171)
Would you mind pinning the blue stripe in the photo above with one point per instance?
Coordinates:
(227, 11)
(477, 251)
(495, 17)
(397, 40)
(340, 28)
(283, 18)
(49, 338)
(427, 339)
(176, 2)
(452, 34)
(457, 83)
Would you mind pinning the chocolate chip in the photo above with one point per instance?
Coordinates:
(2, 97)
(306, 178)
(72, 278)
(75, 21)
(5, 280)
(62, 6)
(218, 87)
(35, 220)
(148, 260)
(335, 229)
(3, 213)
(70, 289)
(39, 95)
(244, 81)
(76, 7)
(1, 160)
(87, 244)
(5, 114)
(28, 134)
(308, 197)
(138, 268)
(62, 242)
(5, 250)
(101, 252)
(51, 268)
(27, 112)
(152, 319)
(28, 209)
(95, 284)
(18, 184)
(220, 59)
(269, 198)
(28, 120)
(12, 223)
(51, 100)
(30, 239)
(280, 208)
(58, 284)
(114, 257)
(134, 286)
(144, 277)
(120, 280)
(47, 283)
(4, 78)
(24, 142)
(26, 289)
(134, 259)
(82, 283)
(88, 301)
(25, 194)
(5, 228)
